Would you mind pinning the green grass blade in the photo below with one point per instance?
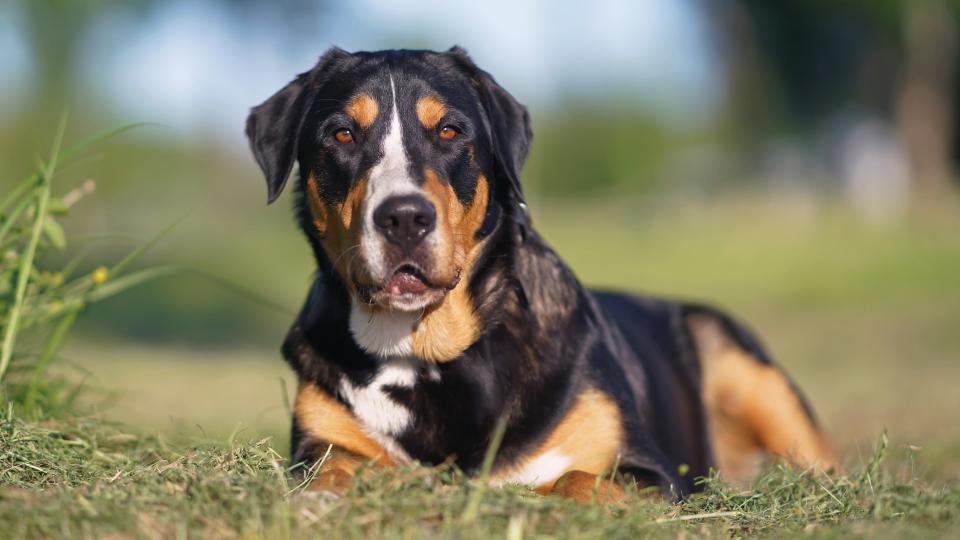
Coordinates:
(23, 274)
(78, 147)
(137, 253)
(12, 217)
(116, 286)
(49, 350)
(30, 181)
(241, 291)
(68, 269)
(22, 188)
(26, 262)
(472, 509)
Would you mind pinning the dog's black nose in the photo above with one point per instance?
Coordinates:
(405, 220)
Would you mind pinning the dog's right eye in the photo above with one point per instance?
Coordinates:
(343, 136)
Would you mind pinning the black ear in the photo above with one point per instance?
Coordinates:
(273, 127)
(509, 122)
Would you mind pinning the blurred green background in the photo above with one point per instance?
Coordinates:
(793, 161)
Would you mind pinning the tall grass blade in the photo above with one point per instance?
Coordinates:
(116, 286)
(12, 217)
(49, 350)
(83, 144)
(137, 253)
(472, 509)
(26, 262)
(22, 188)
(241, 291)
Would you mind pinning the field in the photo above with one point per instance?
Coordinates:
(864, 317)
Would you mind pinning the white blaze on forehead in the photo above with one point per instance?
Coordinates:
(388, 178)
(387, 333)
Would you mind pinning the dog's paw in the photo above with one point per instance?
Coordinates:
(585, 487)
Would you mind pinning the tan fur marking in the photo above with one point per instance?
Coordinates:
(446, 330)
(430, 110)
(325, 420)
(337, 227)
(584, 487)
(317, 209)
(473, 218)
(590, 435)
(363, 109)
(751, 407)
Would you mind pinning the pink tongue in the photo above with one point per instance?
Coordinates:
(406, 283)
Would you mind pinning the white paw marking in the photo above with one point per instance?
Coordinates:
(543, 469)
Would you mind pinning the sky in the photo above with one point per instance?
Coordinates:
(199, 68)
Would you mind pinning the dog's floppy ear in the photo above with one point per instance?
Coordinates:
(273, 127)
(509, 121)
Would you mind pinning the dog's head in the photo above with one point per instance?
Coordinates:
(407, 161)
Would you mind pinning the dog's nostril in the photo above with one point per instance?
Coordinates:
(405, 220)
(423, 220)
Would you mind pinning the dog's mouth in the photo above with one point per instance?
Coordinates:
(407, 280)
(407, 288)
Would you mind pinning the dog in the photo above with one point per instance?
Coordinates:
(440, 323)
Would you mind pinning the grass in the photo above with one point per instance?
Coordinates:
(87, 478)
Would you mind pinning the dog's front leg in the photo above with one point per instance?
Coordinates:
(337, 472)
(325, 431)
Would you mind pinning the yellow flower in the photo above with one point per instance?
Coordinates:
(100, 275)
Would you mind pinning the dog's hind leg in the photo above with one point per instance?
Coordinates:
(751, 405)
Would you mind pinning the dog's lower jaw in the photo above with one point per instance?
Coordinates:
(383, 333)
(437, 334)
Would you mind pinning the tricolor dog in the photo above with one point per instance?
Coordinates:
(437, 310)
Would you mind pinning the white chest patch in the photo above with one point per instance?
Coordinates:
(546, 468)
(377, 411)
(383, 333)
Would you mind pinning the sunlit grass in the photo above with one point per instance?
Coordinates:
(81, 478)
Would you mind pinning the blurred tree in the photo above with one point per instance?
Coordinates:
(55, 30)
(926, 108)
(793, 65)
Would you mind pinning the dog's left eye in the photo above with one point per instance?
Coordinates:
(343, 136)
(448, 133)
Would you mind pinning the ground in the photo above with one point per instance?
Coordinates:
(87, 479)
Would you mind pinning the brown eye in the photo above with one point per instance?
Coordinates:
(448, 133)
(343, 136)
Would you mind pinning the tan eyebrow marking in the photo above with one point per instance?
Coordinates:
(363, 109)
(430, 111)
